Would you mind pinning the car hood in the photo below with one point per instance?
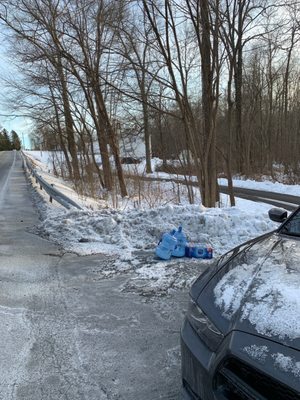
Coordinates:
(258, 291)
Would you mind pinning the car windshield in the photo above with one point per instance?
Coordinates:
(292, 227)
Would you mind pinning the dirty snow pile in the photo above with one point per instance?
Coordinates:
(129, 238)
(124, 232)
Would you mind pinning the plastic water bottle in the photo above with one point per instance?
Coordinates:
(179, 250)
(204, 251)
(209, 252)
(199, 251)
(189, 250)
(166, 245)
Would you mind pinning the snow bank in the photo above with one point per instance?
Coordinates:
(131, 235)
(123, 232)
(129, 239)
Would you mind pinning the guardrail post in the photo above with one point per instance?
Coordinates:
(50, 199)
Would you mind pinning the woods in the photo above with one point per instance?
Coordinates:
(211, 83)
(9, 141)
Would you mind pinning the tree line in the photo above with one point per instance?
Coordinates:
(9, 141)
(211, 83)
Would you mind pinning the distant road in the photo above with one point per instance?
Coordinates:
(7, 160)
(68, 329)
(285, 201)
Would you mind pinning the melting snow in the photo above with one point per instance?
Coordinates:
(283, 362)
(274, 308)
(287, 364)
(122, 232)
(231, 289)
(266, 291)
(257, 352)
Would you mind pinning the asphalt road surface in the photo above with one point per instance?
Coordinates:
(66, 332)
(286, 201)
(70, 332)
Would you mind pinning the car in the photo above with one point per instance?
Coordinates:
(240, 339)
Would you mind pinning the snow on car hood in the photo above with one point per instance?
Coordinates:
(260, 290)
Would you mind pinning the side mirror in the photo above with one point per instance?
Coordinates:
(278, 214)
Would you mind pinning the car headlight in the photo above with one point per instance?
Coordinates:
(207, 331)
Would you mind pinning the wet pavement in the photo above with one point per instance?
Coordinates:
(68, 331)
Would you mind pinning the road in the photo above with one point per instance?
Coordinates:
(66, 331)
(286, 201)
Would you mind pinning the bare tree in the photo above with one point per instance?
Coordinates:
(40, 32)
(164, 22)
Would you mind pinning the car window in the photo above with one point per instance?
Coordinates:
(292, 227)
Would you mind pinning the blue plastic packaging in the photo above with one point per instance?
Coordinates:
(204, 251)
(166, 245)
(179, 250)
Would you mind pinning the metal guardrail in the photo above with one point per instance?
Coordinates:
(53, 193)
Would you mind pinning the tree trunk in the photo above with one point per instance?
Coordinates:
(228, 161)
(60, 134)
(111, 136)
(69, 125)
(147, 138)
(209, 179)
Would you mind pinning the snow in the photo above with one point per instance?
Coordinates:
(123, 234)
(287, 364)
(265, 185)
(256, 352)
(46, 158)
(284, 363)
(42, 162)
(232, 288)
(159, 279)
(140, 169)
(265, 291)
(125, 231)
(128, 230)
(129, 234)
(274, 308)
(132, 147)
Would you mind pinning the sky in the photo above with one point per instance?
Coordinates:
(22, 125)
